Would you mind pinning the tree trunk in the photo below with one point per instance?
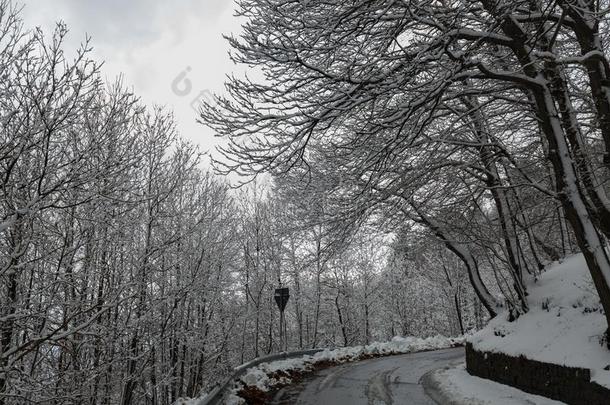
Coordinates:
(472, 267)
(340, 315)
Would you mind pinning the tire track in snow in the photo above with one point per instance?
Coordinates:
(379, 388)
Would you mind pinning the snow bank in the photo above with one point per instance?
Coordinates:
(564, 326)
(188, 401)
(455, 386)
(266, 376)
(397, 345)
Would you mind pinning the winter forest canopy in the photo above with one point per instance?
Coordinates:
(408, 166)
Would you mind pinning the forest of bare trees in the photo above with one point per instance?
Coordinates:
(132, 275)
(408, 165)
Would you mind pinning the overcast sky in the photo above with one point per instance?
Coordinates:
(152, 42)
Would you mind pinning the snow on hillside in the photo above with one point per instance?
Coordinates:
(564, 326)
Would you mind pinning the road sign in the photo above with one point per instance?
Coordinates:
(281, 298)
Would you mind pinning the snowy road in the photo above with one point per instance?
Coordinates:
(385, 381)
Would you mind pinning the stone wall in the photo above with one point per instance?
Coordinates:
(567, 384)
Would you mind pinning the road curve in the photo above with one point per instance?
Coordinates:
(385, 381)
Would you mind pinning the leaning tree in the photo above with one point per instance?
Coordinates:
(368, 82)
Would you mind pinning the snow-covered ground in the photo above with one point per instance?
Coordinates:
(189, 401)
(564, 326)
(456, 386)
(262, 376)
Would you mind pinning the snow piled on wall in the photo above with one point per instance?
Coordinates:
(462, 388)
(565, 324)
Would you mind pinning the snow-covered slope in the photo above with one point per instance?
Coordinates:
(565, 323)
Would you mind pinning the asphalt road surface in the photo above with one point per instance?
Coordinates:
(385, 381)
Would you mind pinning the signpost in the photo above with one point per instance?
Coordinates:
(281, 299)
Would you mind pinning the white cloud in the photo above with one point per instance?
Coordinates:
(151, 43)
